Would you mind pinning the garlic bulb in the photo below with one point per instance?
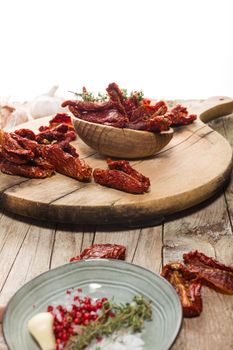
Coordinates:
(12, 115)
(41, 328)
(46, 104)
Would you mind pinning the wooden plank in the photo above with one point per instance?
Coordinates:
(88, 236)
(12, 235)
(207, 229)
(148, 253)
(32, 259)
(2, 343)
(127, 238)
(228, 128)
(69, 242)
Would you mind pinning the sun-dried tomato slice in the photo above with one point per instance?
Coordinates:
(210, 270)
(187, 286)
(103, 251)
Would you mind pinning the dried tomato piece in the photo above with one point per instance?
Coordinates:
(102, 251)
(210, 270)
(119, 180)
(123, 165)
(68, 148)
(115, 93)
(60, 118)
(26, 133)
(49, 136)
(44, 128)
(88, 106)
(143, 112)
(42, 163)
(187, 286)
(12, 147)
(63, 128)
(110, 117)
(26, 143)
(153, 124)
(25, 170)
(70, 136)
(179, 116)
(14, 158)
(60, 128)
(66, 164)
(159, 108)
(197, 258)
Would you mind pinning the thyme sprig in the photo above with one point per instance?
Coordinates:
(133, 94)
(89, 96)
(125, 316)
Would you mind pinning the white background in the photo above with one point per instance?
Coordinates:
(168, 48)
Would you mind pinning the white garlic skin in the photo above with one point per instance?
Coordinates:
(41, 328)
(47, 104)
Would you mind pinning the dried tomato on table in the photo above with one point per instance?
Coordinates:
(13, 151)
(66, 164)
(24, 153)
(122, 176)
(60, 118)
(199, 270)
(26, 170)
(187, 286)
(123, 165)
(102, 251)
(179, 116)
(118, 180)
(60, 128)
(26, 133)
(210, 271)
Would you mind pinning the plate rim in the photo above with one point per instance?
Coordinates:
(114, 262)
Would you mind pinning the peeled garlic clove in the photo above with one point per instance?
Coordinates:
(41, 328)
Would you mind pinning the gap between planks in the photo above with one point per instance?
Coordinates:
(208, 229)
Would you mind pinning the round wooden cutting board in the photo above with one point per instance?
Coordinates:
(192, 167)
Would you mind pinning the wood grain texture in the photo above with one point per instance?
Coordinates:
(188, 171)
(121, 143)
(29, 247)
(209, 230)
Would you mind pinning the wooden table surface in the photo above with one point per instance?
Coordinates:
(28, 248)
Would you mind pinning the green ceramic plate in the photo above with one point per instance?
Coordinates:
(97, 278)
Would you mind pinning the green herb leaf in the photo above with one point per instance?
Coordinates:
(130, 316)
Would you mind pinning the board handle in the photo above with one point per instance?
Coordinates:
(212, 108)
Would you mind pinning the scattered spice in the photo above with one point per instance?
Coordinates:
(113, 318)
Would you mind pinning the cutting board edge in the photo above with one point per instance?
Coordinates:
(42, 211)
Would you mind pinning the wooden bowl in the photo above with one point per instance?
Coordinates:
(121, 143)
